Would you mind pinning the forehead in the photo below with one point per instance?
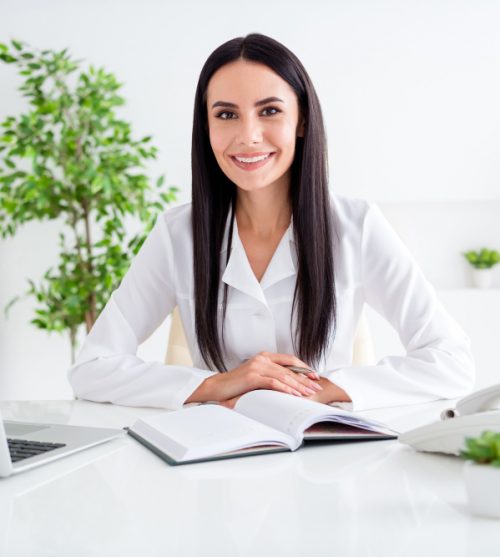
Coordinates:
(246, 82)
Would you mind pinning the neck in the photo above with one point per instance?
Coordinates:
(263, 212)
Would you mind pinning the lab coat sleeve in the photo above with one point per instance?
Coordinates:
(107, 368)
(438, 362)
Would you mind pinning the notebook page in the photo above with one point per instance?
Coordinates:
(292, 415)
(206, 430)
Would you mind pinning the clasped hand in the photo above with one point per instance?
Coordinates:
(266, 371)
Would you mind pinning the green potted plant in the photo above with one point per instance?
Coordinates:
(482, 473)
(482, 263)
(70, 157)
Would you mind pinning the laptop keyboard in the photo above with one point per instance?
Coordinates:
(22, 448)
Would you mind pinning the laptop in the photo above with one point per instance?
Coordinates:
(26, 445)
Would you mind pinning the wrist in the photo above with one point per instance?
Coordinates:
(338, 394)
(330, 393)
(206, 390)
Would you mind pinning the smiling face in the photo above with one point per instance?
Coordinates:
(253, 120)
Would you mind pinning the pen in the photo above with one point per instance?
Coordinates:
(298, 369)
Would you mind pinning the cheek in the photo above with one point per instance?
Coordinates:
(284, 137)
(218, 141)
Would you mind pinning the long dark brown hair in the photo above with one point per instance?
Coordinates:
(214, 196)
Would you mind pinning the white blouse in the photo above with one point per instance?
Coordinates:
(372, 266)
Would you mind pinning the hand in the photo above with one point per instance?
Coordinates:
(230, 402)
(264, 371)
(330, 393)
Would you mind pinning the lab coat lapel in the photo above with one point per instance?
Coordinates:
(238, 272)
(282, 264)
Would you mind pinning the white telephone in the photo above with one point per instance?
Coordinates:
(473, 414)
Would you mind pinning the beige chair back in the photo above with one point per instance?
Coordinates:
(177, 348)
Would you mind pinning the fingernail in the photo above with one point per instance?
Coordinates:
(297, 393)
(317, 387)
(309, 391)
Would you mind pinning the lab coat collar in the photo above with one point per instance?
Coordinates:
(238, 272)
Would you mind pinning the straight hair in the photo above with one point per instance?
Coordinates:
(214, 198)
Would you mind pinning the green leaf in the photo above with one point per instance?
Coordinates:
(17, 44)
(483, 449)
(3, 47)
(7, 58)
(483, 259)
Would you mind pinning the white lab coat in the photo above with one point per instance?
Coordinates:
(372, 265)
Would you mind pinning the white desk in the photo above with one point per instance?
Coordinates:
(362, 499)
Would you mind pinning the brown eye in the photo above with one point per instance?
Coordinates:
(223, 115)
(272, 108)
(224, 112)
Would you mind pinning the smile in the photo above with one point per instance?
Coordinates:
(251, 163)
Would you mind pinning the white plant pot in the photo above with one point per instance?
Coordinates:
(481, 278)
(482, 482)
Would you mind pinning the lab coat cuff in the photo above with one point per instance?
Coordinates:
(196, 379)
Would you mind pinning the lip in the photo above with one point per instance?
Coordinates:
(249, 166)
(249, 155)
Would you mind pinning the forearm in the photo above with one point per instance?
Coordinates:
(400, 380)
(127, 380)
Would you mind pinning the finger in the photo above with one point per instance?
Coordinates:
(298, 381)
(304, 379)
(273, 383)
(284, 359)
(305, 371)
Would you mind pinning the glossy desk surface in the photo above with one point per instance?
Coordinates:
(367, 498)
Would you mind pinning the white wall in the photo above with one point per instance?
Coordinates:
(410, 93)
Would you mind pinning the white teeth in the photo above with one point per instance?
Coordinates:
(253, 159)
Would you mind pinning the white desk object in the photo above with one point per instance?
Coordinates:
(376, 498)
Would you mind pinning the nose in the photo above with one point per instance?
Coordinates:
(250, 131)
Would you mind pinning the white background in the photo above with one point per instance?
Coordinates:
(410, 92)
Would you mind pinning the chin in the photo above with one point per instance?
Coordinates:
(252, 187)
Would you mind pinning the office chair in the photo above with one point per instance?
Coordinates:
(178, 352)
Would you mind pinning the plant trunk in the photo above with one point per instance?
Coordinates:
(90, 315)
(72, 338)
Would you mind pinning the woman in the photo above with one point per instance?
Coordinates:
(268, 269)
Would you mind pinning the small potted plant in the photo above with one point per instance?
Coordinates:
(482, 263)
(482, 473)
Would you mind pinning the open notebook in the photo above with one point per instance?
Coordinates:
(262, 421)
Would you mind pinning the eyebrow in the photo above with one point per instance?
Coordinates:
(228, 104)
